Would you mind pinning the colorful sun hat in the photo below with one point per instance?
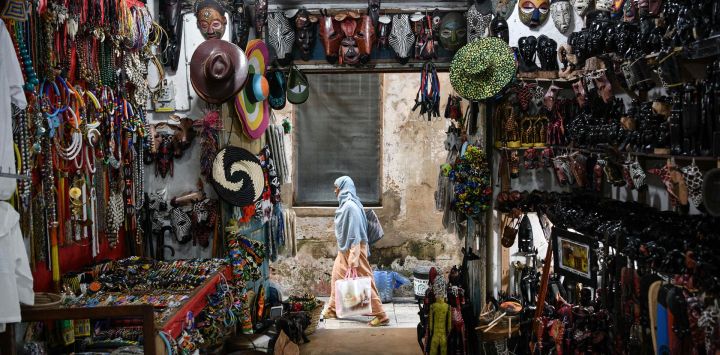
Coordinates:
(251, 104)
(237, 176)
(482, 68)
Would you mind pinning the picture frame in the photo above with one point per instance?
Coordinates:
(574, 256)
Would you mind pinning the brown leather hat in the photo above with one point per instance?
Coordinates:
(218, 70)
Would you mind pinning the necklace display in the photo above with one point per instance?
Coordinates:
(81, 139)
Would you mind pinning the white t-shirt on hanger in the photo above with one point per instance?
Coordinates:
(11, 91)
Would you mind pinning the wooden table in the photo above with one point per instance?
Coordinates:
(173, 325)
(143, 311)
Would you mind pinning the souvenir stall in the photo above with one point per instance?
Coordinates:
(98, 228)
(600, 168)
(148, 170)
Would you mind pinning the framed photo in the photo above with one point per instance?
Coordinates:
(574, 256)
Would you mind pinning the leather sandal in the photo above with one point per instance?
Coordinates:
(329, 314)
(377, 322)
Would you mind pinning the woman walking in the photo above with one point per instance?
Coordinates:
(351, 234)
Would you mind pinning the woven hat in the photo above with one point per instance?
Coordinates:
(218, 70)
(251, 104)
(482, 68)
(237, 176)
(711, 192)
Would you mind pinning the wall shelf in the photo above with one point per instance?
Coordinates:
(634, 154)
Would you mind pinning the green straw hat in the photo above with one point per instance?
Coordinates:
(482, 68)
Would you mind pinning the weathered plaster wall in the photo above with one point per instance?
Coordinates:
(412, 151)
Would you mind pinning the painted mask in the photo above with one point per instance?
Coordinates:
(604, 5)
(503, 8)
(281, 37)
(533, 13)
(349, 51)
(630, 11)
(453, 31)
(331, 36)
(477, 23)
(499, 28)
(581, 6)
(401, 38)
(561, 11)
(365, 38)
(211, 19)
(305, 33)
(618, 9)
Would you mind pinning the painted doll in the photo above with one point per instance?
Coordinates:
(440, 322)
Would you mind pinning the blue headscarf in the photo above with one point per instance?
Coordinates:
(350, 220)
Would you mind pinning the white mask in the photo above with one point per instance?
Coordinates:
(604, 5)
(581, 6)
(561, 14)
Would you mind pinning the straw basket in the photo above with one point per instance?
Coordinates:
(314, 317)
(45, 300)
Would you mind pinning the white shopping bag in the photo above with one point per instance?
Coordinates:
(353, 295)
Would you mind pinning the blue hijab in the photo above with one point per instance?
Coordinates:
(350, 220)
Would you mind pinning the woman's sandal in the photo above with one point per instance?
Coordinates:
(376, 322)
(329, 314)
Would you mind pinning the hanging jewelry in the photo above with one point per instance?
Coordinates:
(115, 216)
(694, 181)
(26, 60)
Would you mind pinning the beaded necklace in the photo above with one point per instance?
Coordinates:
(31, 79)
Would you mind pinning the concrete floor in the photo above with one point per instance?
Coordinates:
(371, 341)
(403, 313)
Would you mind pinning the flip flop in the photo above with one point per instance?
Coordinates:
(376, 322)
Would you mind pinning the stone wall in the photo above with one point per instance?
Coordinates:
(412, 153)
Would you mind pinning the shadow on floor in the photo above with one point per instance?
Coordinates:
(402, 312)
(385, 341)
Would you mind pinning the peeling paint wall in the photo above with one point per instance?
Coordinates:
(413, 150)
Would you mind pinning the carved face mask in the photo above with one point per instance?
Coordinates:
(349, 51)
(305, 33)
(401, 38)
(281, 37)
(331, 36)
(211, 19)
(241, 24)
(477, 23)
(561, 12)
(365, 38)
(499, 28)
(618, 9)
(503, 8)
(581, 6)
(604, 5)
(453, 32)
(533, 13)
(630, 11)
(374, 11)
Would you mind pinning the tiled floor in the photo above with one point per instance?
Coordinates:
(403, 313)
